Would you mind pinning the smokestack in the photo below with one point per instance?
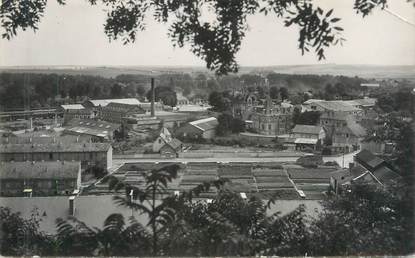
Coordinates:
(72, 205)
(152, 98)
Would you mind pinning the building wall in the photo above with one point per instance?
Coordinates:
(99, 158)
(188, 131)
(158, 144)
(209, 134)
(81, 114)
(272, 124)
(40, 187)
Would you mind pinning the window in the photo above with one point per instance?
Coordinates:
(269, 127)
(50, 155)
(347, 135)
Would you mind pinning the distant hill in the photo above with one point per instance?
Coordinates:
(364, 71)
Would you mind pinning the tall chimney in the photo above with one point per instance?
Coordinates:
(72, 205)
(152, 98)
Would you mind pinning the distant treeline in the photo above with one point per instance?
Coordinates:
(21, 90)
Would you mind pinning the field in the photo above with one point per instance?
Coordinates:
(264, 179)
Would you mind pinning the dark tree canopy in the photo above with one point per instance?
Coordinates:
(217, 41)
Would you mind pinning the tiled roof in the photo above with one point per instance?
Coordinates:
(366, 102)
(123, 108)
(66, 139)
(336, 105)
(342, 175)
(56, 147)
(205, 124)
(368, 158)
(352, 128)
(39, 170)
(385, 175)
(91, 127)
(307, 129)
(175, 143)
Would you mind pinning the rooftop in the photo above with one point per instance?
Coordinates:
(307, 129)
(336, 105)
(205, 124)
(54, 147)
(369, 158)
(72, 106)
(352, 128)
(91, 127)
(105, 102)
(39, 170)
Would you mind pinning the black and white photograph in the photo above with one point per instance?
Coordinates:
(207, 128)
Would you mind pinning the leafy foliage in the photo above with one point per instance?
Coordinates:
(365, 221)
(166, 94)
(215, 41)
(228, 124)
(22, 236)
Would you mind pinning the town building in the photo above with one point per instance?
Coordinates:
(272, 119)
(39, 178)
(137, 122)
(367, 168)
(166, 144)
(75, 111)
(98, 131)
(89, 154)
(97, 105)
(336, 106)
(347, 138)
(308, 136)
(199, 129)
(115, 112)
(181, 100)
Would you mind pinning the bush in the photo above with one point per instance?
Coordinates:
(326, 151)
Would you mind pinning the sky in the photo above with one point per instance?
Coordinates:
(74, 35)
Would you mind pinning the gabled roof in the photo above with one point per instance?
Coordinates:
(369, 159)
(307, 129)
(366, 102)
(352, 128)
(205, 124)
(165, 135)
(174, 143)
(123, 107)
(39, 170)
(386, 175)
(336, 105)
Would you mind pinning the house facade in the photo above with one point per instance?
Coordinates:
(308, 136)
(273, 119)
(89, 154)
(39, 178)
(115, 112)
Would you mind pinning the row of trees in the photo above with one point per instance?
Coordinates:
(363, 221)
(18, 90)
